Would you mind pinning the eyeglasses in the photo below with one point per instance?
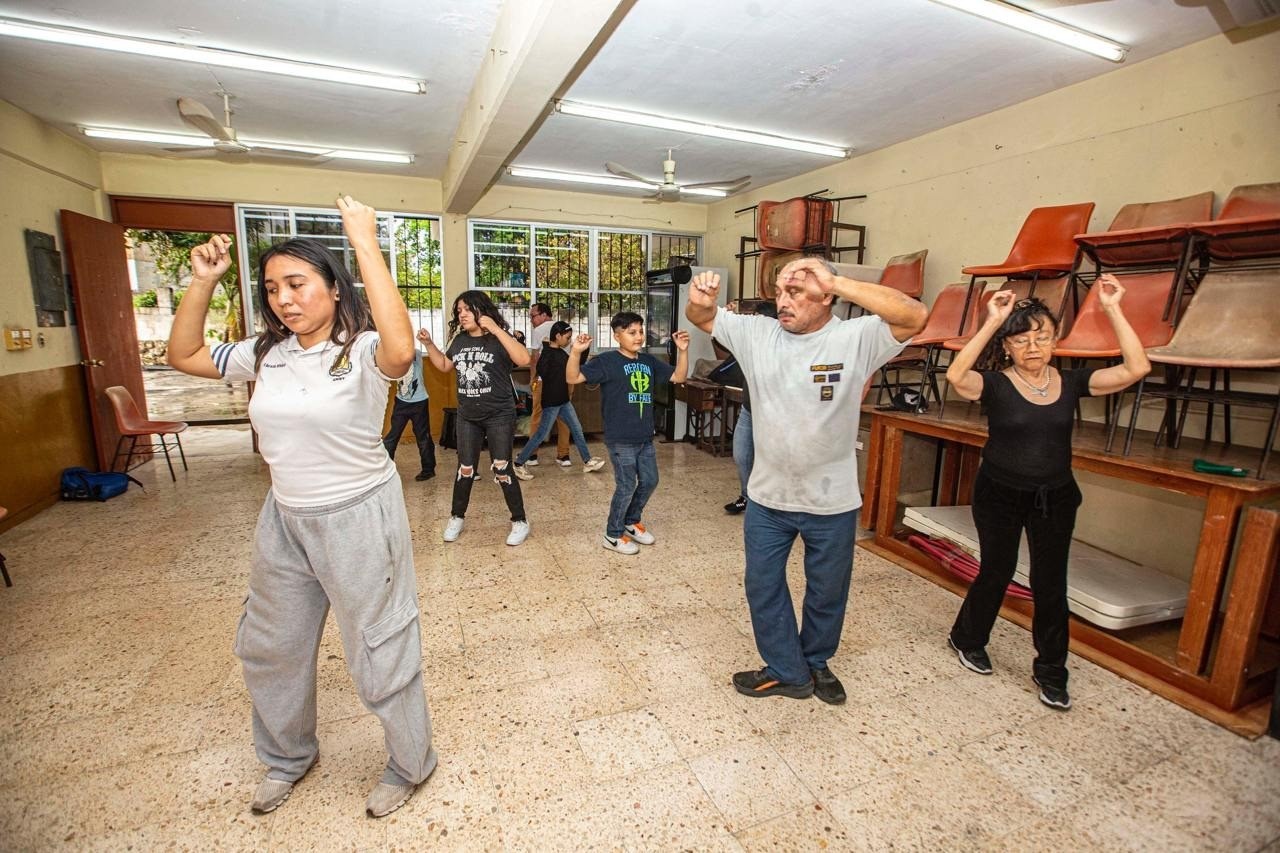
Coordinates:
(1041, 342)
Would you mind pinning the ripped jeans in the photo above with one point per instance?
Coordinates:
(499, 431)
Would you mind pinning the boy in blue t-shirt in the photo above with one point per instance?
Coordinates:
(627, 378)
(411, 406)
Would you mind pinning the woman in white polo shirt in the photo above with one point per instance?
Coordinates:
(333, 531)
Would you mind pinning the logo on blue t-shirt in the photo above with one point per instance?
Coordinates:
(641, 379)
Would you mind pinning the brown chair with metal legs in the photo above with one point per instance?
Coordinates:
(1044, 248)
(133, 426)
(945, 316)
(1230, 324)
(1092, 337)
(905, 273)
(1247, 227)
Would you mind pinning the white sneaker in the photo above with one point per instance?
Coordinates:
(519, 532)
(565, 462)
(533, 462)
(595, 463)
(623, 545)
(453, 529)
(522, 473)
(640, 535)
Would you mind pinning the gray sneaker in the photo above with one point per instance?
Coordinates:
(522, 472)
(595, 463)
(270, 794)
(386, 798)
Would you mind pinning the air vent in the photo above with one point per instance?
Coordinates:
(1246, 12)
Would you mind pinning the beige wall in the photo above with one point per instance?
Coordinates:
(42, 171)
(1201, 118)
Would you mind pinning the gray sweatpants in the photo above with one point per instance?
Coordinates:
(357, 557)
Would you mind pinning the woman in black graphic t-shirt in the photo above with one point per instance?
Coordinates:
(1025, 480)
(483, 353)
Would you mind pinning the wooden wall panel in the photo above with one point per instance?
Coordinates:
(173, 215)
(44, 427)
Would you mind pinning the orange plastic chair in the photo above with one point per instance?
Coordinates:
(1147, 233)
(133, 426)
(1044, 248)
(905, 273)
(945, 316)
(4, 570)
(1227, 326)
(1247, 227)
(1091, 335)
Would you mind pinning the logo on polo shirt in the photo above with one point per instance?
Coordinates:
(341, 367)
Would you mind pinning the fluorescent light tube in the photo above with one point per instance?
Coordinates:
(209, 56)
(1038, 25)
(205, 141)
(645, 120)
(603, 180)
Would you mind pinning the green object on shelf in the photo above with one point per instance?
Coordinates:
(1206, 467)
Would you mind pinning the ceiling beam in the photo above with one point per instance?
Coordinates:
(538, 49)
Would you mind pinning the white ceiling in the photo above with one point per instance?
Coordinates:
(862, 74)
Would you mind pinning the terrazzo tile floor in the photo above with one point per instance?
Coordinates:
(581, 699)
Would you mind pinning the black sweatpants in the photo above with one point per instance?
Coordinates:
(1000, 514)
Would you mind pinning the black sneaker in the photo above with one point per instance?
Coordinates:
(425, 475)
(757, 682)
(827, 687)
(1054, 697)
(736, 506)
(975, 660)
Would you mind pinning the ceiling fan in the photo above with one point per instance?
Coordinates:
(667, 189)
(225, 144)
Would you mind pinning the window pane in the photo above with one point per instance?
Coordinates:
(622, 258)
(561, 260)
(501, 256)
(415, 250)
(669, 249)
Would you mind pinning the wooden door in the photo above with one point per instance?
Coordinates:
(104, 310)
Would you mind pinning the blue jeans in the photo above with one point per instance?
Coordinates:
(744, 450)
(566, 413)
(635, 476)
(768, 535)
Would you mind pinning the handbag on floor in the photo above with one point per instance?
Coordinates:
(81, 484)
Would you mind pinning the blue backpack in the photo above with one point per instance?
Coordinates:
(81, 484)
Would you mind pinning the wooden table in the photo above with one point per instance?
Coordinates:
(1210, 672)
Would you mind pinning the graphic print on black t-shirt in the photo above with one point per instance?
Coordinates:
(640, 380)
(474, 376)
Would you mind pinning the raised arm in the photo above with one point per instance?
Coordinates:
(905, 316)
(572, 370)
(187, 350)
(1135, 364)
(516, 351)
(963, 378)
(681, 340)
(701, 309)
(390, 316)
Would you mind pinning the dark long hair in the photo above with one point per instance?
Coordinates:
(351, 314)
(1028, 314)
(480, 305)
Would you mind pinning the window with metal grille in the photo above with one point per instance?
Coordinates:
(410, 245)
(584, 274)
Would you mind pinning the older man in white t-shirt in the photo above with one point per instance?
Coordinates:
(805, 372)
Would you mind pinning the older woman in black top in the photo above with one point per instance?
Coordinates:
(1025, 479)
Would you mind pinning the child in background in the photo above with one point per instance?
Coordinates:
(411, 406)
(552, 362)
(627, 378)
